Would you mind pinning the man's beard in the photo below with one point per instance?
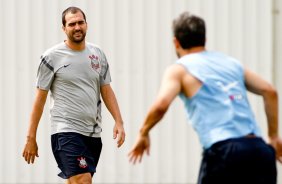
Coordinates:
(77, 40)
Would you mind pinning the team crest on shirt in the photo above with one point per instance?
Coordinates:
(95, 64)
(82, 162)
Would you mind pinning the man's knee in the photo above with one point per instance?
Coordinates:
(84, 178)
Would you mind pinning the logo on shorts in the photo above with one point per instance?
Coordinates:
(82, 162)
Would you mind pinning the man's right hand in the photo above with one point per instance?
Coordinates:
(30, 151)
(276, 142)
(142, 145)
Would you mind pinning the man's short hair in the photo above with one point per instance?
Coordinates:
(189, 30)
(72, 10)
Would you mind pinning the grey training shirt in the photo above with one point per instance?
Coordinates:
(74, 79)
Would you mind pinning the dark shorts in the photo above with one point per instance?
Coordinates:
(76, 153)
(239, 161)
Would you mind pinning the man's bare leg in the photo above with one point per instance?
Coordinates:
(84, 178)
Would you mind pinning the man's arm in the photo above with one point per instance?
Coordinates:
(170, 88)
(31, 149)
(255, 84)
(110, 101)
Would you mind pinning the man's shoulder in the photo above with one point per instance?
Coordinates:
(93, 46)
(50, 51)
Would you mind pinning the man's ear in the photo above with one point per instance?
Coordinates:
(176, 43)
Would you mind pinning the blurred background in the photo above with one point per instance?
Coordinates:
(137, 39)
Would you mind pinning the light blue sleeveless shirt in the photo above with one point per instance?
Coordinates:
(220, 109)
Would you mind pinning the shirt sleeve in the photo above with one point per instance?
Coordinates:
(105, 76)
(45, 74)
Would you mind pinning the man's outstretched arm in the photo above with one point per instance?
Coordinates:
(170, 88)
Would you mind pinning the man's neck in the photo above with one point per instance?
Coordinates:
(75, 46)
(192, 50)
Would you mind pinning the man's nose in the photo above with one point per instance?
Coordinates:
(77, 26)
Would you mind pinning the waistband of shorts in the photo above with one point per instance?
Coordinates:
(96, 135)
(246, 137)
(250, 136)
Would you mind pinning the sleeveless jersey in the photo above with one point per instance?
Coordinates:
(220, 109)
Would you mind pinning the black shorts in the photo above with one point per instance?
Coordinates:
(76, 153)
(239, 161)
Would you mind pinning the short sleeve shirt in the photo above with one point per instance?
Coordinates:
(74, 79)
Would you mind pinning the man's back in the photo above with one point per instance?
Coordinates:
(221, 97)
